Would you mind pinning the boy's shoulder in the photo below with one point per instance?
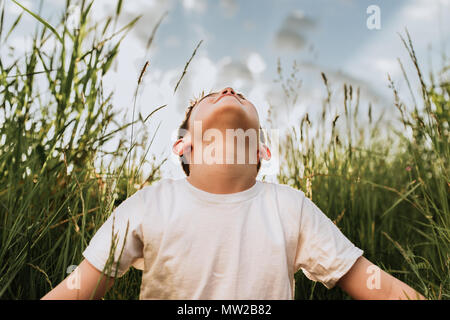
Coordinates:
(282, 188)
(285, 194)
(159, 185)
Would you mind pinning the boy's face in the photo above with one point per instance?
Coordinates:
(220, 114)
(225, 109)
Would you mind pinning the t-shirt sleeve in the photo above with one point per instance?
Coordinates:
(115, 246)
(323, 253)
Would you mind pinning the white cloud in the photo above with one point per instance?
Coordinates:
(420, 10)
(151, 12)
(298, 21)
(291, 35)
(233, 73)
(201, 76)
(387, 66)
(289, 40)
(255, 63)
(198, 6)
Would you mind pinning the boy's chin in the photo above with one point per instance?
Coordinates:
(229, 116)
(231, 108)
(229, 121)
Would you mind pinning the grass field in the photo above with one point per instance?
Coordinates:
(387, 188)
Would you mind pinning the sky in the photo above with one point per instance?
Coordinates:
(242, 44)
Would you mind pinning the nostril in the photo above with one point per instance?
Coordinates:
(228, 90)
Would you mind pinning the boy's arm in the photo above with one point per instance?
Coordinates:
(81, 284)
(366, 281)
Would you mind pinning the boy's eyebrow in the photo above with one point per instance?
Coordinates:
(195, 102)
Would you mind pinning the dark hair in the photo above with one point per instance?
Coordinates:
(184, 127)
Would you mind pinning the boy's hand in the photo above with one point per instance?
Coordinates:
(366, 281)
(81, 284)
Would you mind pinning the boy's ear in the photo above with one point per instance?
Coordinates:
(182, 146)
(264, 152)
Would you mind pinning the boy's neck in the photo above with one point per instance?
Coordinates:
(222, 179)
(233, 170)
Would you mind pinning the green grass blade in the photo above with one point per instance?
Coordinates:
(14, 25)
(41, 20)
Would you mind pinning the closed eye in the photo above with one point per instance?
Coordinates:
(208, 95)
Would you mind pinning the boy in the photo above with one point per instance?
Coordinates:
(221, 234)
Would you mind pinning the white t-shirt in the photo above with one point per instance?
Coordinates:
(192, 244)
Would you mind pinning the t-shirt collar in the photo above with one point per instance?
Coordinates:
(223, 197)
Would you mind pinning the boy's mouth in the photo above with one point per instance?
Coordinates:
(228, 94)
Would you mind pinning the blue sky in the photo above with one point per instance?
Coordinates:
(243, 41)
(329, 29)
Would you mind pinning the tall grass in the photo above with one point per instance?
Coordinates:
(387, 191)
(52, 198)
(384, 184)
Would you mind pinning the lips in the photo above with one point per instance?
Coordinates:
(228, 94)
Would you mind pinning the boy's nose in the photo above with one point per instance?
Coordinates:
(228, 90)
